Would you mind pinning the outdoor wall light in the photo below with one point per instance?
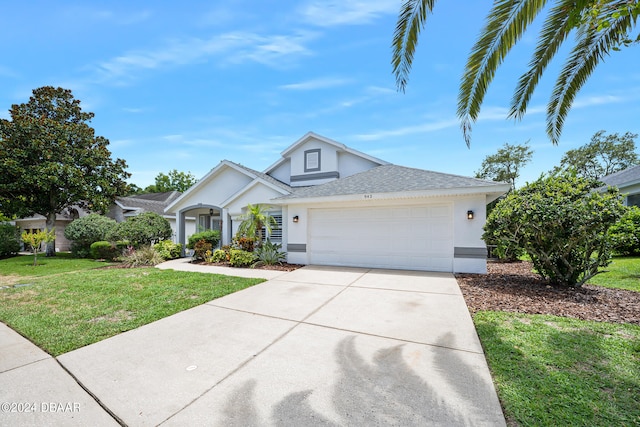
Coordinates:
(211, 212)
(296, 219)
(469, 214)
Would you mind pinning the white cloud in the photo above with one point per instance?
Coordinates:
(370, 93)
(8, 72)
(234, 47)
(596, 100)
(274, 51)
(408, 130)
(319, 83)
(346, 12)
(133, 110)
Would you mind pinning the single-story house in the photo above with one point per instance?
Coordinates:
(126, 207)
(339, 206)
(628, 182)
(38, 223)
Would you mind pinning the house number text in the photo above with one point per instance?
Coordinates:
(368, 196)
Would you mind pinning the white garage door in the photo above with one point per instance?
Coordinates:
(404, 237)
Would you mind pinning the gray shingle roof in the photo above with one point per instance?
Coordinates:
(150, 202)
(264, 176)
(389, 179)
(628, 175)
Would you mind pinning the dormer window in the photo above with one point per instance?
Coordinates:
(312, 160)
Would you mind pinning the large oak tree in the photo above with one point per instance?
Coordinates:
(51, 159)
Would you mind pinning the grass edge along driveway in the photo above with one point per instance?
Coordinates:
(63, 312)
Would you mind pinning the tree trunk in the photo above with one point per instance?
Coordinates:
(50, 223)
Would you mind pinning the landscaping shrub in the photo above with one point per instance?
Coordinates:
(211, 236)
(143, 256)
(269, 254)
(200, 249)
(625, 234)
(246, 244)
(219, 255)
(86, 230)
(561, 223)
(240, 258)
(9, 240)
(104, 250)
(168, 250)
(143, 229)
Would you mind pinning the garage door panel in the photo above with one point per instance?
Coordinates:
(408, 237)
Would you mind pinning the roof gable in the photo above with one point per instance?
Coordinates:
(226, 165)
(149, 202)
(310, 136)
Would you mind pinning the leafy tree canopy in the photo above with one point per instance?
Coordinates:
(50, 159)
(604, 155)
(600, 26)
(505, 165)
(172, 181)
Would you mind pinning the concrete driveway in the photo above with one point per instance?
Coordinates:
(316, 346)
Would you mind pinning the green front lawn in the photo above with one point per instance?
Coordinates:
(555, 371)
(63, 312)
(61, 263)
(623, 273)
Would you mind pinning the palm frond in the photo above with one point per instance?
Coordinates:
(591, 47)
(555, 30)
(507, 22)
(411, 20)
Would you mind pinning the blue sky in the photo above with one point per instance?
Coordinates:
(184, 85)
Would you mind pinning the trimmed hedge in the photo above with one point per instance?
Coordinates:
(143, 229)
(104, 250)
(211, 236)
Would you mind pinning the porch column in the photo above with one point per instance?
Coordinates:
(226, 227)
(180, 230)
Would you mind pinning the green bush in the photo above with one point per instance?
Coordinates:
(269, 254)
(168, 250)
(211, 236)
(9, 240)
(561, 222)
(240, 258)
(625, 234)
(86, 230)
(201, 248)
(219, 255)
(143, 229)
(103, 250)
(143, 256)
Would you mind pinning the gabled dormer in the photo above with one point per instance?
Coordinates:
(315, 160)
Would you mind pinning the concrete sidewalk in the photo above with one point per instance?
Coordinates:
(36, 391)
(316, 346)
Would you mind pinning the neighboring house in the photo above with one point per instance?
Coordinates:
(38, 222)
(125, 207)
(338, 206)
(628, 182)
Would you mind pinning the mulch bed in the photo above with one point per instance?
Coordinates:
(513, 287)
(276, 267)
